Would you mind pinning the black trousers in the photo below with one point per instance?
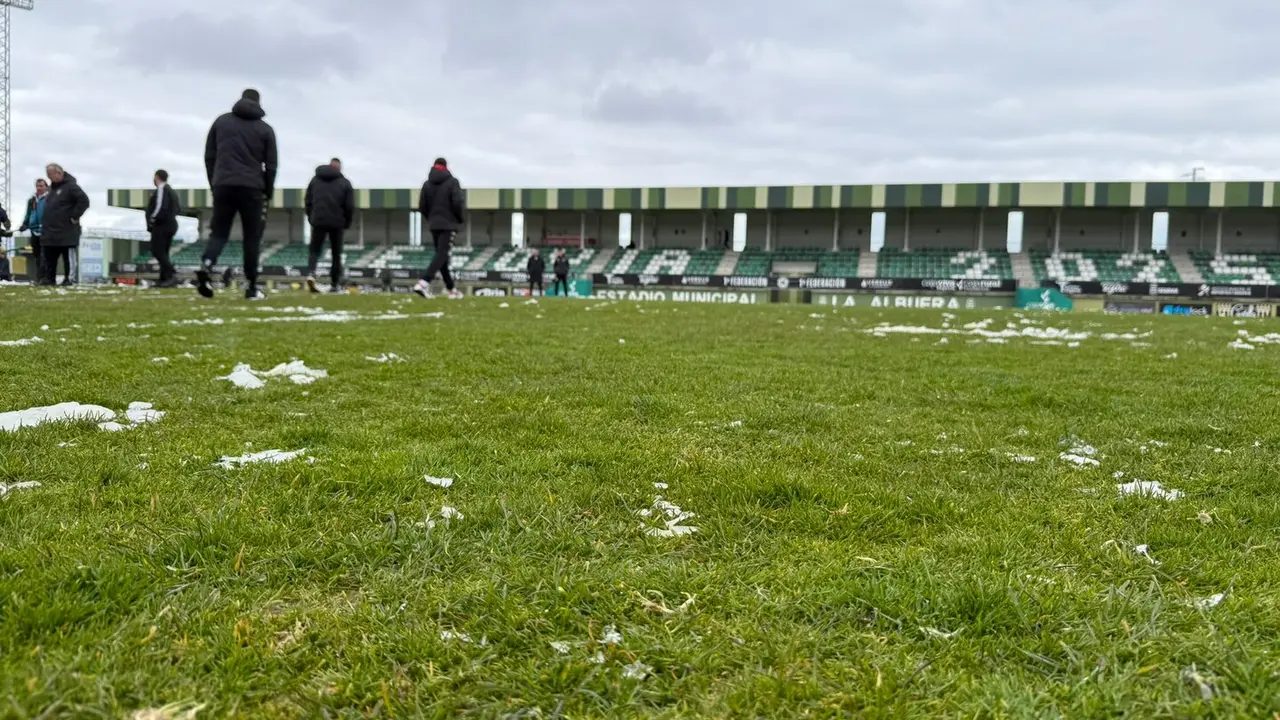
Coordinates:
(442, 239)
(318, 237)
(251, 206)
(536, 280)
(161, 244)
(35, 267)
(49, 263)
(561, 285)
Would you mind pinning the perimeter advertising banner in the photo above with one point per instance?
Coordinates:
(1244, 310)
(1042, 299)
(912, 302)
(726, 297)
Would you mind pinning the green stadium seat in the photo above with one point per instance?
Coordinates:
(1103, 266)
(944, 264)
(513, 259)
(1237, 268)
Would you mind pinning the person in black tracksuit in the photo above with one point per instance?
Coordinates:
(536, 267)
(63, 208)
(240, 159)
(331, 206)
(162, 223)
(5, 274)
(444, 206)
(561, 268)
(33, 220)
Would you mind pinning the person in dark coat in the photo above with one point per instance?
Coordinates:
(6, 275)
(33, 220)
(561, 269)
(444, 206)
(64, 207)
(535, 267)
(240, 159)
(331, 206)
(162, 223)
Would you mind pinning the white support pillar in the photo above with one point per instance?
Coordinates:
(582, 231)
(768, 230)
(1057, 230)
(982, 227)
(641, 243)
(704, 230)
(469, 236)
(1137, 230)
(906, 229)
(360, 225)
(835, 232)
(1217, 247)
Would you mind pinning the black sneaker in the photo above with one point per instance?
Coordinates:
(337, 289)
(204, 280)
(253, 293)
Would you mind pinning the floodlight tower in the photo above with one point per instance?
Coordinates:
(5, 126)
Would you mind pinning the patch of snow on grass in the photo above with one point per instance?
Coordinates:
(266, 456)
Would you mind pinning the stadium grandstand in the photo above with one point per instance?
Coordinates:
(1028, 234)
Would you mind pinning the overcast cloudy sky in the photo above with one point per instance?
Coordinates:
(661, 92)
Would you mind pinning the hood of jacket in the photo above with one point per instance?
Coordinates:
(438, 176)
(248, 110)
(328, 173)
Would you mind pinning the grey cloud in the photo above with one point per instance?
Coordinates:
(237, 47)
(628, 104)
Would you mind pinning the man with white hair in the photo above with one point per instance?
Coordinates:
(63, 208)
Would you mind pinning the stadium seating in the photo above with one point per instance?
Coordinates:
(512, 259)
(940, 264)
(839, 264)
(1103, 266)
(1237, 268)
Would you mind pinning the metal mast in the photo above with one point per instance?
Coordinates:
(6, 130)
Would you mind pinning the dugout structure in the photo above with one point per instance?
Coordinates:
(1082, 237)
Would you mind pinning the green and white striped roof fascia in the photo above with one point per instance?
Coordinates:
(1234, 194)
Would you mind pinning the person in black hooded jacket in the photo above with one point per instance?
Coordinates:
(444, 206)
(240, 159)
(331, 206)
(64, 207)
(535, 267)
(561, 268)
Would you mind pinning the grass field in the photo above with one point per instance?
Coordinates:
(867, 540)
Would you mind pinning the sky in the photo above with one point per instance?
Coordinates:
(620, 93)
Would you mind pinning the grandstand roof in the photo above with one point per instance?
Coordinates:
(1156, 195)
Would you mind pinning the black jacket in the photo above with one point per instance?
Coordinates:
(442, 202)
(241, 149)
(63, 209)
(4, 268)
(168, 218)
(536, 266)
(330, 200)
(562, 266)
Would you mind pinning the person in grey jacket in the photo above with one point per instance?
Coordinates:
(63, 208)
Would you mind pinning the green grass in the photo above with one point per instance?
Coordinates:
(827, 547)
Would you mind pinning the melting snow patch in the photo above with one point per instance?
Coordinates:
(670, 516)
(1210, 602)
(23, 342)
(266, 456)
(24, 485)
(1145, 552)
(160, 360)
(385, 358)
(940, 634)
(439, 482)
(636, 671)
(611, 636)
(1021, 458)
(62, 412)
(1147, 488)
(451, 513)
(1080, 460)
(1239, 344)
(245, 377)
(560, 646)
